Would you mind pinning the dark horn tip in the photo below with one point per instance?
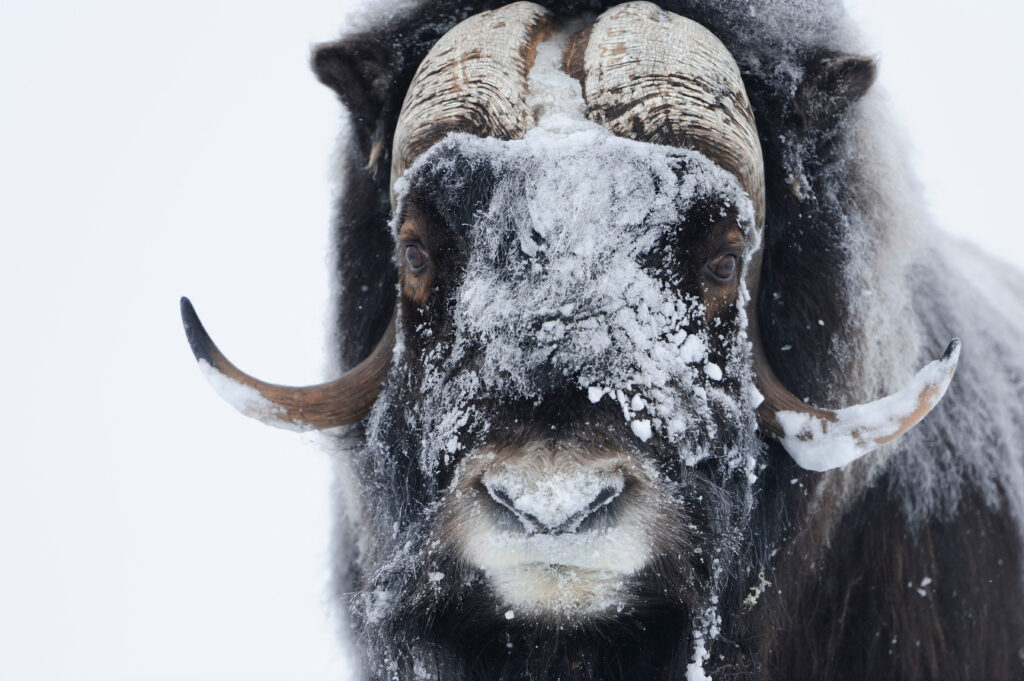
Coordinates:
(953, 347)
(198, 339)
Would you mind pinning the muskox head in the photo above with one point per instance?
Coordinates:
(564, 419)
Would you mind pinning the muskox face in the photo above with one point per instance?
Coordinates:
(559, 426)
(573, 369)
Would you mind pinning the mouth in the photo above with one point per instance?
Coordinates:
(618, 549)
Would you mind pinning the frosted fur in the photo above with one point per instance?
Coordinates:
(981, 295)
(555, 97)
(554, 283)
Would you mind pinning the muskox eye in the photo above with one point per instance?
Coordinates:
(417, 258)
(723, 267)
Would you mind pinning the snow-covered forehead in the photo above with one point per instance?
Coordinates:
(550, 181)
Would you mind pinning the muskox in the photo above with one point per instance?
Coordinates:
(595, 265)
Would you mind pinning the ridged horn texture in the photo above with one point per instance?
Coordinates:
(473, 80)
(327, 405)
(655, 76)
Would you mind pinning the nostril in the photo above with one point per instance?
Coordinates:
(502, 497)
(605, 496)
(601, 512)
(505, 511)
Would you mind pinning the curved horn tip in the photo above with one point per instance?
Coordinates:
(236, 388)
(198, 339)
(342, 401)
(952, 352)
(821, 444)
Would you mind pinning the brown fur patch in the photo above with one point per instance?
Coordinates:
(415, 286)
(724, 237)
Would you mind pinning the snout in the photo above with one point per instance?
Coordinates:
(554, 528)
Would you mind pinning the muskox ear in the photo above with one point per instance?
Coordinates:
(361, 71)
(832, 83)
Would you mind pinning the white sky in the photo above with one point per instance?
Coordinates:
(148, 151)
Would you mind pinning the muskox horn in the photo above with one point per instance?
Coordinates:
(823, 439)
(473, 80)
(337, 403)
(655, 76)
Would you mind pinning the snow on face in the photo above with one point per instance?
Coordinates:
(558, 287)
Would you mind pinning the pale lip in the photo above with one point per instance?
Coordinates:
(621, 549)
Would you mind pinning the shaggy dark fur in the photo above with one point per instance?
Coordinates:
(845, 598)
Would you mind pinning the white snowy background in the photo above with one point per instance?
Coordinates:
(150, 150)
